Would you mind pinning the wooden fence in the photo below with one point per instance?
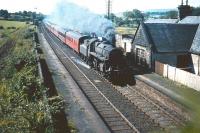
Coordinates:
(186, 78)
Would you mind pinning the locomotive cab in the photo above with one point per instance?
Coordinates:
(86, 47)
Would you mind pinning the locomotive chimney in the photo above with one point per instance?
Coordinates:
(184, 10)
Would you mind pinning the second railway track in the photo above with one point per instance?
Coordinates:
(121, 114)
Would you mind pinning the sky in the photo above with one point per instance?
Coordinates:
(96, 6)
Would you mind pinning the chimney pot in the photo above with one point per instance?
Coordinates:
(184, 11)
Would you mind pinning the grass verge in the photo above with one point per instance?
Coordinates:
(24, 106)
(125, 30)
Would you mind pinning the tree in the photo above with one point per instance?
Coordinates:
(4, 14)
(129, 18)
(196, 11)
(112, 17)
(172, 14)
(119, 21)
(29, 13)
(128, 15)
(25, 13)
(132, 17)
(138, 14)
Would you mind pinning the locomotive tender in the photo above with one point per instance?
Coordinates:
(98, 53)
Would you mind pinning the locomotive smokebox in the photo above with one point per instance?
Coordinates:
(116, 57)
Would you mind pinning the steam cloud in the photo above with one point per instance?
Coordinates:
(71, 16)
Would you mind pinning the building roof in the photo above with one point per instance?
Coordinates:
(161, 21)
(196, 43)
(190, 20)
(141, 37)
(166, 37)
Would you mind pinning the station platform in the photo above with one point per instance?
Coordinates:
(184, 95)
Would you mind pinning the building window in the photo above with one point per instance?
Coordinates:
(140, 57)
(141, 53)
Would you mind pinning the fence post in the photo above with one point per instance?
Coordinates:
(175, 74)
(167, 71)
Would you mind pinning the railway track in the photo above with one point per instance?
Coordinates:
(152, 109)
(163, 114)
(124, 110)
(111, 115)
(168, 118)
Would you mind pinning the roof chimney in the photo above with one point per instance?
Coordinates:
(184, 10)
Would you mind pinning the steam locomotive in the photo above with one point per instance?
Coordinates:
(100, 54)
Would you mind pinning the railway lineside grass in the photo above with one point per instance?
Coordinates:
(125, 30)
(7, 29)
(6, 24)
(191, 101)
(192, 98)
(23, 105)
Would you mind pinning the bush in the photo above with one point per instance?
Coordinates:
(20, 115)
(12, 27)
(36, 37)
(23, 105)
(28, 33)
(4, 35)
(1, 27)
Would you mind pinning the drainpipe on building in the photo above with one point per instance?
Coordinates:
(151, 58)
(198, 65)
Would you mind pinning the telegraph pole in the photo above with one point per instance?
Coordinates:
(109, 3)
